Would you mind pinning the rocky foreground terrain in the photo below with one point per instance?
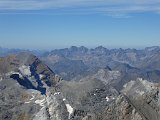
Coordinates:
(121, 89)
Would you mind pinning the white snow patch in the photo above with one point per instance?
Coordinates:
(12, 72)
(107, 98)
(125, 85)
(69, 109)
(41, 76)
(57, 93)
(41, 102)
(64, 99)
(25, 70)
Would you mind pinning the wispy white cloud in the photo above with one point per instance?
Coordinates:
(110, 7)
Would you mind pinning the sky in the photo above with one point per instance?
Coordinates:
(50, 24)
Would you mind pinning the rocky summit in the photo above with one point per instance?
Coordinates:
(24, 83)
(120, 90)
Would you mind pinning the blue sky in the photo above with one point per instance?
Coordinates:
(38, 24)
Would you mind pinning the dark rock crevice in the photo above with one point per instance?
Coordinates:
(28, 84)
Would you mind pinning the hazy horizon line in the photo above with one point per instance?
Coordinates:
(78, 46)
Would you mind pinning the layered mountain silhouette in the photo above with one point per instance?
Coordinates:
(76, 62)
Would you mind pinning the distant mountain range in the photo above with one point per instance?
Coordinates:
(7, 51)
(78, 62)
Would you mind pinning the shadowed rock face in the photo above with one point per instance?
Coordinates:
(26, 62)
